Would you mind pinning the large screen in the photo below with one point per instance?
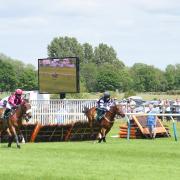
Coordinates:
(58, 75)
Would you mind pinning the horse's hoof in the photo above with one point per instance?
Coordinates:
(99, 141)
(18, 146)
(104, 140)
(9, 145)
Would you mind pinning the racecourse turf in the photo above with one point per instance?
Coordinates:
(64, 82)
(117, 159)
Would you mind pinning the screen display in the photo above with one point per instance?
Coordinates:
(58, 75)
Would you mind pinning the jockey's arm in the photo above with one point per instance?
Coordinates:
(101, 104)
(21, 100)
(11, 101)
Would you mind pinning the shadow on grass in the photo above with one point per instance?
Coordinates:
(5, 146)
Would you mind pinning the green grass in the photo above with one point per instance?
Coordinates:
(117, 159)
(63, 83)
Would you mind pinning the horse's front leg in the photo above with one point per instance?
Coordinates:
(16, 136)
(104, 134)
(22, 139)
(99, 137)
(0, 137)
(1, 130)
(91, 127)
(10, 137)
(20, 135)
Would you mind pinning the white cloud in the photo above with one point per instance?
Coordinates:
(137, 29)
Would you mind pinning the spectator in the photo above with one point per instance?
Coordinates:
(131, 105)
(177, 108)
(151, 121)
(167, 109)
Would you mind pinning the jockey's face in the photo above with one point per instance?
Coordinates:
(18, 95)
(107, 98)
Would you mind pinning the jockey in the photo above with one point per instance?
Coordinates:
(103, 105)
(13, 101)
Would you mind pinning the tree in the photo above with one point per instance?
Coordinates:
(7, 76)
(108, 79)
(22, 76)
(89, 74)
(28, 79)
(65, 47)
(147, 78)
(125, 79)
(88, 53)
(170, 76)
(105, 54)
(177, 77)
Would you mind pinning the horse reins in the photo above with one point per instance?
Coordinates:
(108, 119)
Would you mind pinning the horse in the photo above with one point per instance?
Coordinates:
(106, 122)
(54, 75)
(14, 122)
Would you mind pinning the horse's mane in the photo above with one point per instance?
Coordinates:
(85, 110)
(114, 102)
(25, 100)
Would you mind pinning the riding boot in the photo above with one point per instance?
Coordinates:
(6, 113)
(100, 114)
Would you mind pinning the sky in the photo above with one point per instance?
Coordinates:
(140, 31)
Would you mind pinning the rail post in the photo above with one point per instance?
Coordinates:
(174, 128)
(129, 127)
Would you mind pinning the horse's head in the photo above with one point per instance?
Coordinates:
(117, 109)
(26, 110)
(85, 110)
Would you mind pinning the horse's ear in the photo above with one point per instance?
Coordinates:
(116, 102)
(26, 100)
(85, 110)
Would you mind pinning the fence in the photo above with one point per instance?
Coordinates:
(154, 114)
(59, 111)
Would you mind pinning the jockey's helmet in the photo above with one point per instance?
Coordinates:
(106, 94)
(18, 92)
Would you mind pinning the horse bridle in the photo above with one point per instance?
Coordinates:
(107, 118)
(26, 115)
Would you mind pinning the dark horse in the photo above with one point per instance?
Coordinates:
(107, 120)
(14, 122)
(54, 75)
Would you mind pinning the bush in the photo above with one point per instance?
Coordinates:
(173, 92)
(129, 93)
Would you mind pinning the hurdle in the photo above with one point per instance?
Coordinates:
(127, 116)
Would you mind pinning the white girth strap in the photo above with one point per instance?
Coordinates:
(28, 111)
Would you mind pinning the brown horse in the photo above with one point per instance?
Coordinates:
(54, 75)
(14, 122)
(106, 121)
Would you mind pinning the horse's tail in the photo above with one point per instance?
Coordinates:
(85, 110)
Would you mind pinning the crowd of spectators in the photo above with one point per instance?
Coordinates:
(162, 106)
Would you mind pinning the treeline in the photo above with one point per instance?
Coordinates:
(15, 74)
(100, 69)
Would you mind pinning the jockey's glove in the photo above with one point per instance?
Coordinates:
(14, 107)
(108, 108)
